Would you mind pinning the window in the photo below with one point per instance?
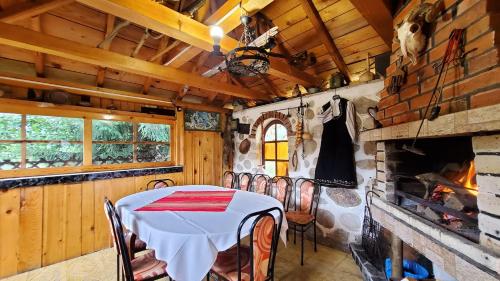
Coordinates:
(112, 142)
(275, 149)
(29, 141)
(153, 142)
(10, 141)
(53, 141)
(34, 141)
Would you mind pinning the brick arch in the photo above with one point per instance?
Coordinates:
(272, 115)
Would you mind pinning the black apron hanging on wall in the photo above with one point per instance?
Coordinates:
(336, 167)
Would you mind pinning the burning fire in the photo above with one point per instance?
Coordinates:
(465, 178)
(468, 179)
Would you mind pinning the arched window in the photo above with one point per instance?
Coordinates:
(275, 149)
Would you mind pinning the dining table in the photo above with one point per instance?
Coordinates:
(188, 241)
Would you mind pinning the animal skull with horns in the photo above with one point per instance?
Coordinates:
(410, 33)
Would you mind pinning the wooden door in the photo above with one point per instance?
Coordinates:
(203, 157)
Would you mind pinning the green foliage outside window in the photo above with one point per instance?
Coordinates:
(157, 138)
(10, 126)
(58, 141)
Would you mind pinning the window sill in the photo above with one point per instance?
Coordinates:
(66, 178)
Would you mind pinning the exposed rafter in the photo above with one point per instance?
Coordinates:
(30, 9)
(19, 37)
(157, 60)
(39, 57)
(110, 25)
(315, 18)
(25, 81)
(378, 15)
(167, 21)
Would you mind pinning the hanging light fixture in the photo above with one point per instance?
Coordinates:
(216, 33)
(246, 59)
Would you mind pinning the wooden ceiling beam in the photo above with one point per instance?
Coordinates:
(157, 17)
(158, 60)
(19, 37)
(39, 57)
(101, 71)
(379, 16)
(30, 9)
(327, 40)
(25, 81)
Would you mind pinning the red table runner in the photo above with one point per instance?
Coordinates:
(192, 201)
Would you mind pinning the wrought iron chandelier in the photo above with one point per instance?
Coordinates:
(246, 59)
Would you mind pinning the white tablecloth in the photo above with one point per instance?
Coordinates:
(189, 241)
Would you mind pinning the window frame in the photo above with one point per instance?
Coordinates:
(275, 142)
(88, 114)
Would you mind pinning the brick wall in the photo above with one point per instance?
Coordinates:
(472, 86)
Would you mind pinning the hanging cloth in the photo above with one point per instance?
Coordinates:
(336, 167)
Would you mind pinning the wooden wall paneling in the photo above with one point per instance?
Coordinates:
(88, 218)
(178, 178)
(102, 189)
(188, 158)
(72, 224)
(31, 225)
(179, 127)
(207, 158)
(218, 161)
(9, 231)
(53, 224)
(142, 181)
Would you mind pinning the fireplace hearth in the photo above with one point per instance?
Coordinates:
(440, 186)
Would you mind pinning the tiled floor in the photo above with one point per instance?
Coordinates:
(325, 265)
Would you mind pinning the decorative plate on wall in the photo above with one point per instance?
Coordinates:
(244, 146)
(201, 121)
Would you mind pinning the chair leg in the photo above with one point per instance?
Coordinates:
(315, 247)
(302, 246)
(294, 234)
(287, 236)
(117, 267)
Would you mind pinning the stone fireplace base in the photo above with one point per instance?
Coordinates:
(459, 257)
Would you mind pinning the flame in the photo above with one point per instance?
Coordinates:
(468, 179)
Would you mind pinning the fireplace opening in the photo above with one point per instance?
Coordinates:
(439, 186)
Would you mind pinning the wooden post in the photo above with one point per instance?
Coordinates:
(397, 257)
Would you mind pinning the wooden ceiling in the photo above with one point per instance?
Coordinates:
(61, 39)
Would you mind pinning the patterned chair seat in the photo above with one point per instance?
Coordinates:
(226, 264)
(147, 266)
(299, 217)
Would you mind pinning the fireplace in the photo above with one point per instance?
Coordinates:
(439, 186)
(445, 204)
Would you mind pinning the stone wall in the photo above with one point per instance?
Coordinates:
(341, 211)
(473, 85)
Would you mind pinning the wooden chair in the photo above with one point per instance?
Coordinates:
(281, 189)
(230, 179)
(256, 261)
(259, 183)
(134, 245)
(244, 180)
(305, 208)
(145, 267)
(160, 183)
